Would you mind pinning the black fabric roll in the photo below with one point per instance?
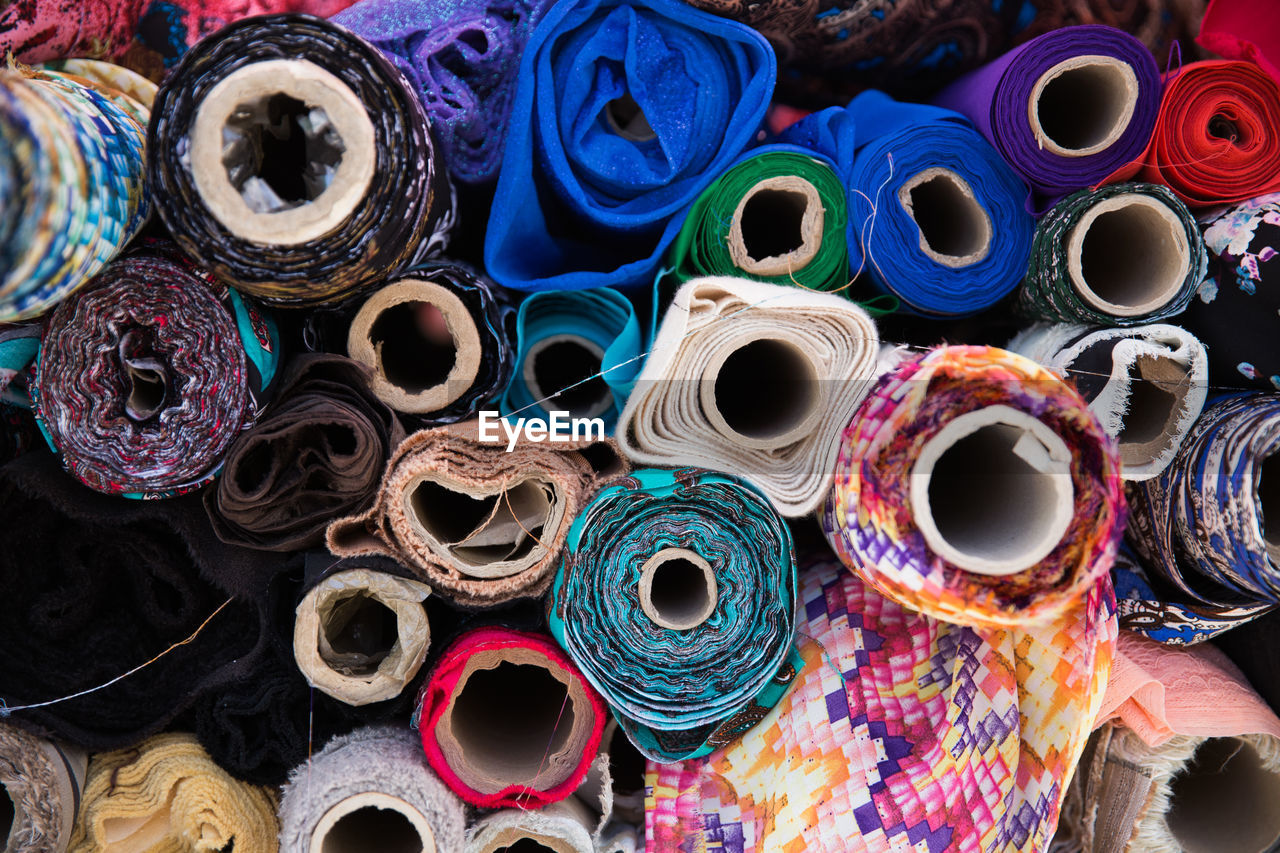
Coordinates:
(293, 160)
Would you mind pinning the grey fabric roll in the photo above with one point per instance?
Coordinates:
(366, 791)
(42, 783)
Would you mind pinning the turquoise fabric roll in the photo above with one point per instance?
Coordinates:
(676, 598)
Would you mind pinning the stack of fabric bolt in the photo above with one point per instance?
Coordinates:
(596, 426)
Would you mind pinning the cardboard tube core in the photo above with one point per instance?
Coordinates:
(763, 392)
(1082, 105)
(1225, 800)
(1128, 255)
(561, 371)
(678, 589)
(373, 821)
(626, 119)
(1269, 505)
(955, 230)
(1158, 390)
(422, 343)
(282, 152)
(777, 227)
(509, 723)
(991, 492)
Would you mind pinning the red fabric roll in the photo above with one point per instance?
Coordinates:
(507, 720)
(1243, 29)
(1217, 137)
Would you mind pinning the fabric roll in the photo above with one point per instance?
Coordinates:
(548, 829)
(578, 352)
(779, 215)
(1242, 29)
(1253, 647)
(461, 58)
(1149, 605)
(977, 487)
(145, 377)
(316, 453)
(676, 598)
(522, 684)
(295, 162)
(599, 163)
(130, 580)
(1146, 384)
(1116, 256)
(440, 340)
(360, 632)
(1237, 304)
(1214, 140)
(763, 396)
(1201, 525)
(1065, 109)
(901, 732)
(370, 790)
(479, 521)
(73, 175)
(1193, 794)
(166, 795)
(41, 780)
(936, 217)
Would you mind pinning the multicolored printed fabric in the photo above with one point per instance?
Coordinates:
(901, 733)
(1146, 605)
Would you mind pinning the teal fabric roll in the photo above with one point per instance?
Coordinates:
(677, 599)
(565, 340)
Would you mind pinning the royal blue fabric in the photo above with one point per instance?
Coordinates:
(579, 205)
(878, 144)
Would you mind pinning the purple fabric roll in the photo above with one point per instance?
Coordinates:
(1081, 111)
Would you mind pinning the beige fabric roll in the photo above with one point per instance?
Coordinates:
(168, 796)
(754, 379)
(42, 781)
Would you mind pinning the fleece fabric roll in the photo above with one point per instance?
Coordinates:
(1146, 384)
(975, 486)
(936, 217)
(369, 790)
(42, 782)
(166, 796)
(763, 395)
(1215, 139)
(73, 176)
(129, 580)
(523, 685)
(360, 632)
(778, 215)
(146, 376)
(1202, 525)
(1115, 256)
(1236, 307)
(578, 352)
(625, 110)
(676, 598)
(1065, 109)
(317, 453)
(479, 521)
(901, 732)
(295, 162)
(461, 58)
(440, 339)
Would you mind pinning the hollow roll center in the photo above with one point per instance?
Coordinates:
(1269, 505)
(562, 371)
(145, 374)
(415, 349)
(360, 632)
(991, 491)
(373, 821)
(281, 152)
(1082, 105)
(526, 845)
(625, 118)
(1225, 800)
(771, 222)
(678, 589)
(955, 230)
(477, 530)
(1128, 255)
(1157, 392)
(765, 390)
(509, 720)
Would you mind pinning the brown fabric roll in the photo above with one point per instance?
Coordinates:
(315, 455)
(41, 780)
(480, 524)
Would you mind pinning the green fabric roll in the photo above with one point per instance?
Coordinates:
(791, 230)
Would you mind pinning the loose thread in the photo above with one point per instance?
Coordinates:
(528, 788)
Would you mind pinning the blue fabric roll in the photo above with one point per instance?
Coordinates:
(882, 149)
(625, 111)
(586, 344)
